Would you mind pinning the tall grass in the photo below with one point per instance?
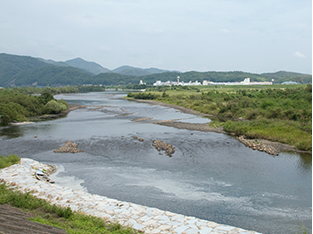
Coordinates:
(275, 130)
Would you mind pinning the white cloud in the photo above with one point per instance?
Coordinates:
(175, 35)
(299, 55)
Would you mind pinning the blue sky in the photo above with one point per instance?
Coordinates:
(202, 35)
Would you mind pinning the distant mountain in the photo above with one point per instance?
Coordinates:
(49, 61)
(91, 67)
(134, 71)
(11, 65)
(282, 76)
(51, 75)
(25, 70)
(28, 71)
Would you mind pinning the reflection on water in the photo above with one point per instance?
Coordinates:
(305, 163)
(11, 132)
(210, 176)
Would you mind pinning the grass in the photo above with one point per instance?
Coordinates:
(46, 213)
(274, 130)
(8, 160)
(281, 113)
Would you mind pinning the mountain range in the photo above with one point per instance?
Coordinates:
(18, 70)
(95, 68)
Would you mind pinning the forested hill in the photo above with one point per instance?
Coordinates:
(28, 71)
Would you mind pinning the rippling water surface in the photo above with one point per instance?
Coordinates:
(210, 176)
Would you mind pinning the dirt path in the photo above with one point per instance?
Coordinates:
(14, 221)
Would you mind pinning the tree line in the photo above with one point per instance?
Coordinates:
(17, 106)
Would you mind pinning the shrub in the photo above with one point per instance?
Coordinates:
(165, 95)
(62, 101)
(266, 104)
(252, 114)
(46, 97)
(10, 112)
(54, 107)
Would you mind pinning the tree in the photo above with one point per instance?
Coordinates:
(54, 107)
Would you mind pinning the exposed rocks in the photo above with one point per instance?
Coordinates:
(125, 114)
(203, 127)
(68, 147)
(139, 139)
(256, 145)
(141, 119)
(159, 145)
(20, 123)
(50, 169)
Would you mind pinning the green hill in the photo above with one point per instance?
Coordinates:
(91, 67)
(11, 65)
(28, 71)
(50, 75)
(134, 71)
(282, 76)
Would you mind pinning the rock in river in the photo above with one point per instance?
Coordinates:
(159, 145)
(68, 147)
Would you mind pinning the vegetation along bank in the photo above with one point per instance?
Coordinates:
(19, 104)
(276, 113)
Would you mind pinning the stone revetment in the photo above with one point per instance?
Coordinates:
(150, 220)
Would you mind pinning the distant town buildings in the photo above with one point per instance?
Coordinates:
(289, 82)
(246, 81)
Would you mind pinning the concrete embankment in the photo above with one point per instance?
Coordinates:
(149, 220)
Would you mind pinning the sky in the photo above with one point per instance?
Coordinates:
(184, 35)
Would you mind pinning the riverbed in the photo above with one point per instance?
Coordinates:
(210, 176)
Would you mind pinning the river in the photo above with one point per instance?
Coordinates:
(211, 176)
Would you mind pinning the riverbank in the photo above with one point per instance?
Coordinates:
(256, 144)
(149, 220)
(62, 114)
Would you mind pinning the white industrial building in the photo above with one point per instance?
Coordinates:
(246, 81)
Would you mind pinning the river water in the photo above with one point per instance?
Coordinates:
(210, 176)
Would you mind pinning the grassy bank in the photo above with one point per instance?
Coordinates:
(276, 113)
(45, 213)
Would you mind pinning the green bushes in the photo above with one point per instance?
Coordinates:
(54, 107)
(143, 95)
(10, 112)
(15, 105)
